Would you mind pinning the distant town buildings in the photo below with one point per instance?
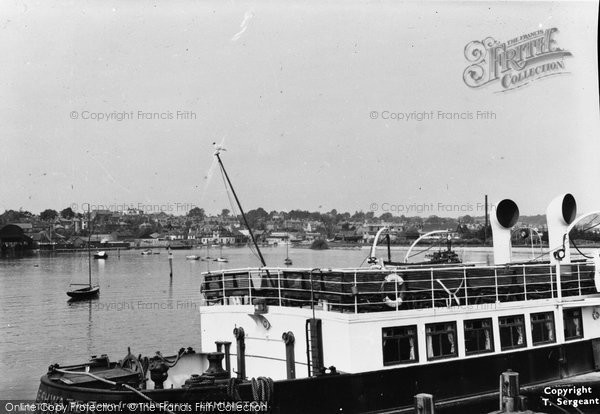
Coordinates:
(134, 228)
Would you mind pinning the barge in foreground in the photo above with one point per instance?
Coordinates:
(368, 339)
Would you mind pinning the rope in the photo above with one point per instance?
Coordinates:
(262, 389)
(169, 363)
(233, 391)
(127, 386)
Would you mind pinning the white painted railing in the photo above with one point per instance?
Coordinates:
(395, 288)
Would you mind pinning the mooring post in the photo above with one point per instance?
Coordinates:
(170, 262)
(241, 352)
(227, 345)
(424, 404)
(290, 358)
(522, 402)
(509, 391)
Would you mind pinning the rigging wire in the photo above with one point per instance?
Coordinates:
(589, 228)
(427, 249)
(580, 252)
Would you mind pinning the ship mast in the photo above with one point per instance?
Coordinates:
(89, 250)
(262, 259)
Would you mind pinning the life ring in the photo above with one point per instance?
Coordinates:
(559, 254)
(398, 287)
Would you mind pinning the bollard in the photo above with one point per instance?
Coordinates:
(424, 404)
(215, 369)
(522, 403)
(290, 358)
(227, 345)
(508, 405)
(509, 391)
(241, 352)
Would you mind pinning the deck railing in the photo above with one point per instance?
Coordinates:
(372, 290)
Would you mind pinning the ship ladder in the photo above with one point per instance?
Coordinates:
(314, 346)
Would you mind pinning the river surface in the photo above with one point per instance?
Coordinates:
(138, 307)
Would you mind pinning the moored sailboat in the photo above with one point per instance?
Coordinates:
(287, 261)
(88, 290)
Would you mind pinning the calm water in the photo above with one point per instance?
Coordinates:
(138, 305)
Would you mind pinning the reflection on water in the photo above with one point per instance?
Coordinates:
(139, 305)
(81, 306)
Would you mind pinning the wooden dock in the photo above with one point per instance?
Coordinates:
(512, 399)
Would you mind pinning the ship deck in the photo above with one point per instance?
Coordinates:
(397, 288)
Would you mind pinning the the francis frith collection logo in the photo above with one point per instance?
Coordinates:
(516, 62)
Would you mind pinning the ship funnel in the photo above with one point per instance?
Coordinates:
(502, 221)
(560, 213)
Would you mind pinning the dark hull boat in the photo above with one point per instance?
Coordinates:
(89, 291)
(473, 380)
(84, 293)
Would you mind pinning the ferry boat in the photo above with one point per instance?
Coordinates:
(366, 340)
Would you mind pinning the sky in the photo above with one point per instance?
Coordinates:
(302, 96)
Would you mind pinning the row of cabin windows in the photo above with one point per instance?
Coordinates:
(400, 342)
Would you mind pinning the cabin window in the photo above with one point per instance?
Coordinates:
(542, 328)
(441, 340)
(478, 336)
(573, 323)
(400, 345)
(512, 332)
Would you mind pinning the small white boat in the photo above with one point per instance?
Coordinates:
(221, 258)
(100, 255)
(192, 257)
(147, 252)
